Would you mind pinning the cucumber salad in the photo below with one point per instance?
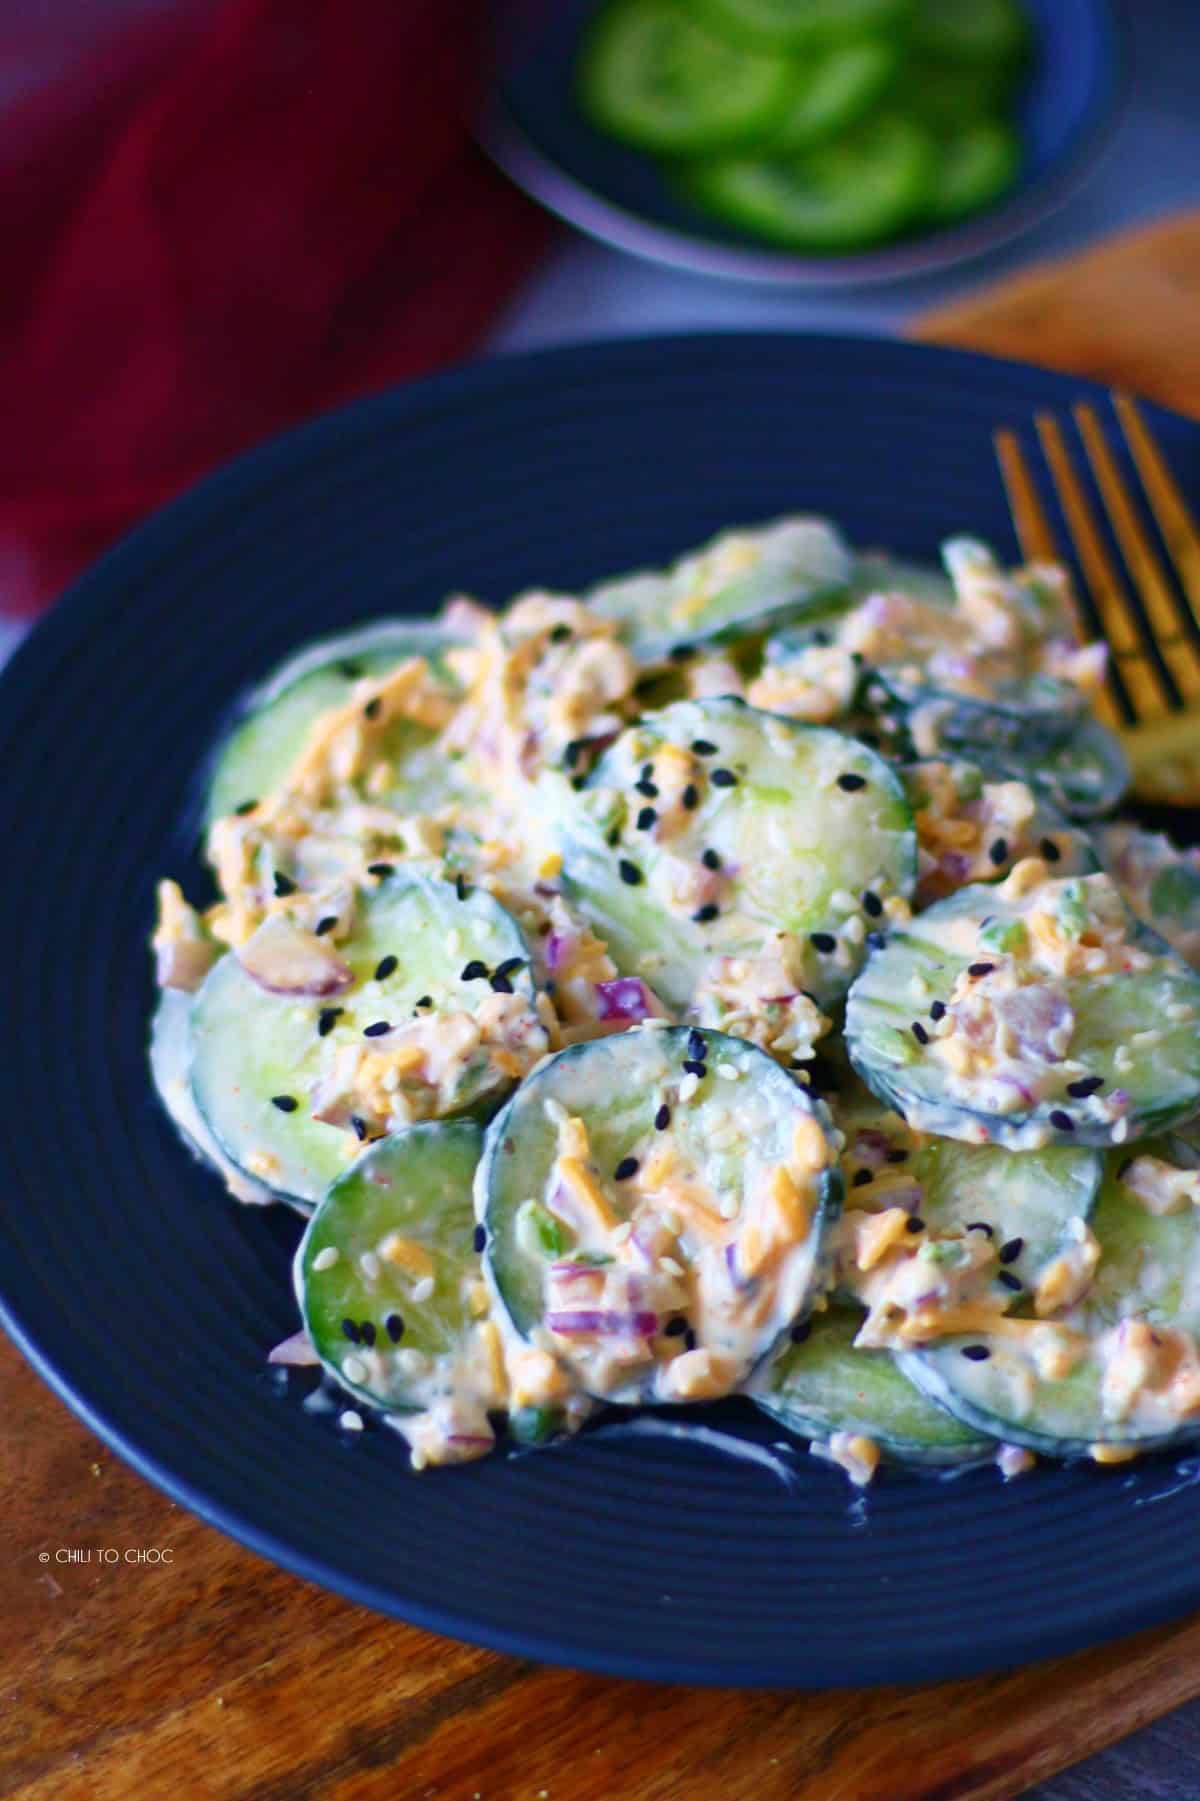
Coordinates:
(725, 980)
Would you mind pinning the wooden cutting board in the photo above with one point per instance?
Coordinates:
(188, 1668)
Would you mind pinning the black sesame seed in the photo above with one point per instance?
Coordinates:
(373, 708)
(284, 884)
(798, 1334)
(1010, 1250)
(287, 1103)
(914, 1223)
(689, 1340)
(976, 1353)
(979, 1225)
(681, 653)
(479, 1240)
(697, 1044)
(378, 1029)
(980, 969)
(560, 634)
(647, 787)
(703, 748)
(510, 966)
(327, 1018)
(501, 984)
(824, 942)
(625, 1168)
(326, 924)
(919, 1032)
(367, 1329)
(381, 869)
(647, 819)
(577, 782)
(393, 1325)
(247, 806)
(461, 887)
(1086, 1085)
(629, 872)
(897, 1156)
(693, 1067)
(358, 1127)
(690, 798)
(426, 1000)
(1050, 850)
(708, 911)
(872, 905)
(998, 851)
(1062, 1122)
(675, 1328)
(710, 859)
(662, 1118)
(385, 967)
(938, 1010)
(850, 782)
(350, 1330)
(571, 752)
(875, 941)
(861, 1177)
(474, 971)
(1009, 1280)
(723, 778)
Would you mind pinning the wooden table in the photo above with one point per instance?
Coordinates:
(214, 1675)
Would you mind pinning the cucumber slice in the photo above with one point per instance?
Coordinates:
(655, 77)
(1159, 880)
(797, 24)
(1027, 1196)
(252, 1049)
(974, 32)
(389, 1311)
(823, 1385)
(866, 186)
(693, 1217)
(972, 827)
(1086, 776)
(802, 823)
(1130, 1025)
(170, 1065)
(977, 161)
(743, 582)
(834, 87)
(255, 758)
(1148, 1277)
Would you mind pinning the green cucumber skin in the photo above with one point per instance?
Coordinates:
(377, 646)
(453, 1143)
(1011, 1131)
(937, 1443)
(522, 1312)
(633, 922)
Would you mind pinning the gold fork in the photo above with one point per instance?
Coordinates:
(1151, 696)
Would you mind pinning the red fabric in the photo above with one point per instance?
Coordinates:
(233, 217)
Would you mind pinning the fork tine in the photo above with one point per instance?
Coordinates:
(1038, 546)
(1178, 655)
(1181, 535)
(1108, 593)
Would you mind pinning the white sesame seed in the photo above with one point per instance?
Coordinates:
(729, 1207)
(728, 1072)
(368, 1263)
(350, 1421)
(555, 1112)
(422, 1290)
(844, 902)
(853, 929)
(325, 1259)
(454, 941)
(672, 1267)
(1120, 1131)
(354, 1369)
(688, 1086)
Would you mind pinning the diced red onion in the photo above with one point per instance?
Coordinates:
(593, 1323)
(284, 959)
(627, 998)
(295, 1351)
